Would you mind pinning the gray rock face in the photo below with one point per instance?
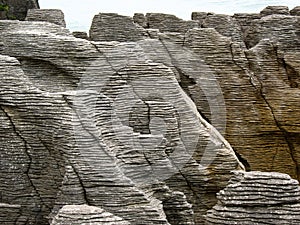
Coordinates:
(168, 23)
(17, 9)
(224, 24)
(80, 34)
(55, 16)
(257, 198)
(9, 214)
(146, 154)
(84, 214)
(114, 27)
(270, 10)
(131, 122)
(295, 11)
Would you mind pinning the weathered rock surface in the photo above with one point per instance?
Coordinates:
(265, 84)
(257, 198)
(168, 23)
(55, 16)
(84, 214)
(81, 34)
(270, 10)
(295, 11)
(9, 214)
(114, 27)
(131, 122)
(145, 155)
(17, 9)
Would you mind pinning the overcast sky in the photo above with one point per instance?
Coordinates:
(79, 13)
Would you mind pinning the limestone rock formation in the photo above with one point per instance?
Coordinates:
(129, 123)
(17, 9)
(168, 23)
(99, 123)
(261, 71)
(80, 34)
(257, 198)
(84, 214)
(258, 123)
(114, 27)
(9, 214)
(270, 10)
(55, 16)
(295, 11)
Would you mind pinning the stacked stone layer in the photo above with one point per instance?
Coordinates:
(83, 214)
(257, 198)
(55, 16)
(130, 121)
(99, 123)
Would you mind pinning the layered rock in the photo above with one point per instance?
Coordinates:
(9, 214)
(168, 23)
(271, 10)
(101, 124)
(224, 24)
(129, 125)
(255, 77)
(17, 9)
(228, 49)
(55, 16)
(81, 34)
(257, 198)
(84, 214)
(114, 27)
(295, 11)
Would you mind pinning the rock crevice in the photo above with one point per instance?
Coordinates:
(134, 123)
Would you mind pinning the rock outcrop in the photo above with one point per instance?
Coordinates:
(146, 154)
(80, 34)
(16, 9)
(84, 214)
(257, 198)
(128, 124)
(271, 10)
(114, 27)
(55, 16)
(295, 11)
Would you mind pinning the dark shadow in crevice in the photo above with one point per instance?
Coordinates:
(243, 160)
(185, 83)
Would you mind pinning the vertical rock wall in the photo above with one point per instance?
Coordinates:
(128, 127)
(254, 61)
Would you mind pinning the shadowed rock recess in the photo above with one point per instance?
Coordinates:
(16, 9)
(132, 124)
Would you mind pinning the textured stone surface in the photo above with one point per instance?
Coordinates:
(18, 8)
(168, 23)
(295, 11)
(9, 214)
(55, 16)
(270, 10)
(114, 27)
(84, 214)
(146, 154)
(132, 121)
(260, 87)
(245, 21)
(257, 198)
(80, 34)
(224, 24)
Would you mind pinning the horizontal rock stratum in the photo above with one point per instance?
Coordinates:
(143, 120)
(257, 198)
